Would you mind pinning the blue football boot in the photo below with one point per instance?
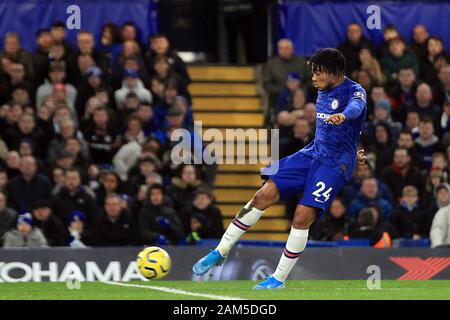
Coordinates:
(269, 283)
(212, 259)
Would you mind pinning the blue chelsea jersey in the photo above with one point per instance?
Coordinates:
(336, 145)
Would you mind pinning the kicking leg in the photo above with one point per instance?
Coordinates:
(245, 218)
(296, 243)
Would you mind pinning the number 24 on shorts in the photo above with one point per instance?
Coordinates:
(318, 193)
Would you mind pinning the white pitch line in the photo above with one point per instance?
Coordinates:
(172, 290)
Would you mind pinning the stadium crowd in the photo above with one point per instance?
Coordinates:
(85, 148)
(402, 190)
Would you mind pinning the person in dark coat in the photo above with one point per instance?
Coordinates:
(401, 173)
(72, 197)
(115, 226)
(27, 188)
(204, 217)
(51, 226)
(352, 45)
(158, 221)
(335, 225)
(409, 218)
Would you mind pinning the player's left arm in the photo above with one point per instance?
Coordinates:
(355, 106)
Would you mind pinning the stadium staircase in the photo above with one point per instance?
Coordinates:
(228, 96)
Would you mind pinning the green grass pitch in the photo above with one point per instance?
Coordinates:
(298, 290)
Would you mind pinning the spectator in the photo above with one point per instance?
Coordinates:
(67, 130)
(424, 103)
(160, 46)
(409, 217)
(441, 200)
(57, 75)
(335, 225)
(109, 183)
(292, 108)
(412, 123)
(147, 166)
(101, 137)
(383, 141)
(74, 197)
(44, 42)
(300, 135)
(435, 47)
(370, 64)
(58, 32)
(420, 37)
(133, 130)
(434, 178)
(75, 147)
(94, 80)
(183, 187)
(376, 94)
(149, 122)
(110, 41)
(440, 228)
(382, 115)
(115, 226)
(25, 235)
(131, 83)
(277, 69)
(403, 93)
(77, 230)
(368, 227)
(52, 227)
(389, 32)
(401, 174)
(363, 171)
(28, 187)
(351, 47)
(86, 43)
(399, 56)
(7, 216)
(293, 83)
(203, 217)
(441, 90)
(12, 50)
(369, 195)
(130, 32)
(158, 221)
(427, 142)
(157, 88)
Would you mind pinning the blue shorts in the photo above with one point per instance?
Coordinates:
(300, 173)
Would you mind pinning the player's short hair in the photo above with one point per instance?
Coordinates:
(328, 60)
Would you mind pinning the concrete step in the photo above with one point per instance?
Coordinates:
(223, 89)
(221, 73)
(226, 104)
(239, 195)
(255, 168)
(254, 120)
(238, 180)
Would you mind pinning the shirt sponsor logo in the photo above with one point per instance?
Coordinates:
(320, 115)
